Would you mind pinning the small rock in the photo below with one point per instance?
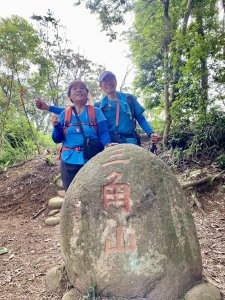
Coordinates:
(53, 212)
(55, 202)
(52, 221)
(59, 183)
(53, 278)
(61, 193)
(203, 291)
(71, 295)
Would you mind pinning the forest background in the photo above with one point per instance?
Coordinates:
(177, 48)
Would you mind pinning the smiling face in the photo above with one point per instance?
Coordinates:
(108, 84)
(78, 92)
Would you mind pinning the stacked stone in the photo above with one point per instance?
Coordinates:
(55, 205)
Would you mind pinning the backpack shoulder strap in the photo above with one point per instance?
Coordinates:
(131, 104)
(92, 117)
(67, 118)
(97, 104)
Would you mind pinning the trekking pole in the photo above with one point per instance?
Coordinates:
(153, 149)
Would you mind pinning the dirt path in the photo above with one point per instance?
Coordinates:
(33, 247)
(33, 250)
(211, 233)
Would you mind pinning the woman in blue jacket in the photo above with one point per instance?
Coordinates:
(72, 139)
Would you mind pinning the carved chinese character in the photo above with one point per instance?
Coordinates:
(116, 194)
(120, 246)
(118, 153)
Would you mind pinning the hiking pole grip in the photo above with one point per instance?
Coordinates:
(153, 148)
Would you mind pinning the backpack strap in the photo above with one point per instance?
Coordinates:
(131, 104)
(92, 117)
(68, 116)
(67, 119)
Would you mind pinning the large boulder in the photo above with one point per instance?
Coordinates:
(126, 227)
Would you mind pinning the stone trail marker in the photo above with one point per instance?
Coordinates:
(126, 226)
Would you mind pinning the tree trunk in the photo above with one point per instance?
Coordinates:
(166, 70)
(204, 70)
(187, 15)
(223, 4)
(167, 114)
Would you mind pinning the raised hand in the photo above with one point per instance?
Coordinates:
(41, 104)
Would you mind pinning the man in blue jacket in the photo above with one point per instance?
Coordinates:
(120, 109)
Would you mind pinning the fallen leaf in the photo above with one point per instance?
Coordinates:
(3, 250)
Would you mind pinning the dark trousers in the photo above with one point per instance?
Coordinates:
(68, 172)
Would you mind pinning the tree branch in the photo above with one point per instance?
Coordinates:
(206, 179)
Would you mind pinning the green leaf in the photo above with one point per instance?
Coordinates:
(3, 250)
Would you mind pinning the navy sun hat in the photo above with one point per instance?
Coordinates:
(104, 74)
